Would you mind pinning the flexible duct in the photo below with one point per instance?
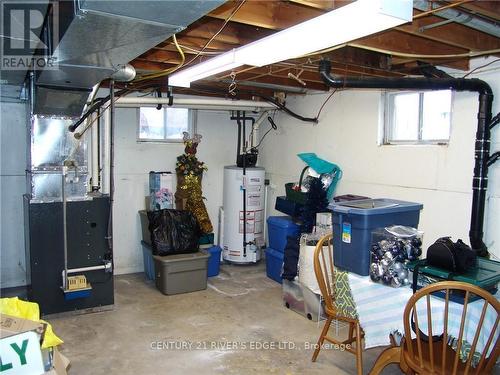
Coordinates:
(482, 145)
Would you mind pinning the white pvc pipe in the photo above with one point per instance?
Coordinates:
(91, 268)
(266, 191)
(105, 152)
(93, 153)
(256, 126)
(196, 103)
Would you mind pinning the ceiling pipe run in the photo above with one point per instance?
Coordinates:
(482, 146)
(196, 103)
(460, 17)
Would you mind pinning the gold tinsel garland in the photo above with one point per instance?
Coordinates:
(194, 202)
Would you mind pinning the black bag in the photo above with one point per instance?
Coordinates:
(291, 258)
(456, 257)
(173, 232)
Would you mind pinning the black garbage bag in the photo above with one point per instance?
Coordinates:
(291, 258)
(173, 232)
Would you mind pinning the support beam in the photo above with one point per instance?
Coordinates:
(274, 15)
(394, 40)
(452, 34)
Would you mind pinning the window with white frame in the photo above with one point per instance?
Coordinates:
(164, 125)
(417, 117)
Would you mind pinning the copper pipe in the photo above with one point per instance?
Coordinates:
(452, 5)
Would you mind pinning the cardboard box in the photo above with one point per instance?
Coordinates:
(60, 364)
(24, 336)
(20, 354)
(11, 325)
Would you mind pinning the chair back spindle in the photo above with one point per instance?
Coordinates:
(451, 352)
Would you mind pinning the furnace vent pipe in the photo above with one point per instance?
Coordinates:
(482, 146)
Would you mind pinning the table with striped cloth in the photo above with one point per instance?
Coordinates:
(380, 310)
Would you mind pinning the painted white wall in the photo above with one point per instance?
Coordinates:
(134, 160)
(440, 177)
(12, 188)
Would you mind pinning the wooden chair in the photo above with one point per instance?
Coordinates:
(424, 355)
(325, 275)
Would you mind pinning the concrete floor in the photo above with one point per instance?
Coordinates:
(226, 328)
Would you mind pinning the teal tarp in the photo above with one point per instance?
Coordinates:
(322, 166)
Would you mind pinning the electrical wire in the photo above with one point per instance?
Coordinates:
(78, 135)
(273, 127)
(285, 109)
(181, 52)
(266, 98)
(235, 10)
(327, 99)
(417, 56)
(166, 71)
(103, 100)
(406, 55)
(94, 94)
(187, 48)
(480, 67)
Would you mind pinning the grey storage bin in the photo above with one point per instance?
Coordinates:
(182, 273)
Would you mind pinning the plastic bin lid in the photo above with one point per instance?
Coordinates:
(182, 257)
(281, 221)
(214, 249)
(374, 206)
(486, 273)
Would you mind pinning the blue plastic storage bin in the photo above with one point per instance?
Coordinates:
(149, 263)
(213, 261)
(278, 229)
(354, 221)
(274, 264)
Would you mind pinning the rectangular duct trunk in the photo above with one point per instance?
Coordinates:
(97, 37)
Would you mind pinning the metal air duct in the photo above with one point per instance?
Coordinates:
(97, 38)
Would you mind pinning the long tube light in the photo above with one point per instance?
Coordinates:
(220, 63)
(197, 103)
(350, 22)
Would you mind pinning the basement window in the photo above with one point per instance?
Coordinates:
(417, 117)
(164, 125)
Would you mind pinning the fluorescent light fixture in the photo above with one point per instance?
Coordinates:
(350, 22)
(221, 63)
(342, 25)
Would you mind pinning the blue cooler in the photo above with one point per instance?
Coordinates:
(274, 264)
(213, 261)
(354, 221)
(278, 229)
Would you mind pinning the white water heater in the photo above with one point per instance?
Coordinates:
(243, 196)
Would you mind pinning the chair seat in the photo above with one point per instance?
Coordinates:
(437, 348)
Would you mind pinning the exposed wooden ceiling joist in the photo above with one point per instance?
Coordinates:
(489, 9)
(451, 33)
(274, 15)
(391, 53)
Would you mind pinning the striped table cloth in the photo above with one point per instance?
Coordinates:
(380, 310)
